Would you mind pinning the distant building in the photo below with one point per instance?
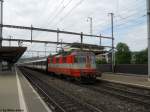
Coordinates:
(86, 47)
(99, 51)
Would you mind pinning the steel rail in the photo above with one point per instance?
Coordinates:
(86, 104)
(138, 98)
(89, 105)
(44, 92)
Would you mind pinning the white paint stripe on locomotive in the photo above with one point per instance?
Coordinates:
(74, 66)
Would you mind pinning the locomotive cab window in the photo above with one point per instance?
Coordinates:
(64, 59)
(57, 60)
(93, 59)
(82, 59)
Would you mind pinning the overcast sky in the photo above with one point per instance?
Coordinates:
(71, 15)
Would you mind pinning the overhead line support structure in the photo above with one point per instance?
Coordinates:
(34, 41)
(57, 38)
(31, 28)
(112, 32)
(1, 22)
(148, 29)
(51, 30)
(39, 41)
(31, 34)
(81, 41)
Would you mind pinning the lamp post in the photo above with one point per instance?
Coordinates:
(90, 19)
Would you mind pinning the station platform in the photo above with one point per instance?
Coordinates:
(128, 79)
(17, 95)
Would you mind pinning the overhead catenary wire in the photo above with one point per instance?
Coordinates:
(59, 12)
(133, 7)
(55, 9)
(127, 17)
(126, 22)
(133, 20)
(123, 19)
(69, 12)
(64, 17)
(132, 25)
(50, 30)
(126, 25)
(57, 6)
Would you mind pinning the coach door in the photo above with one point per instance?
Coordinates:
(88, 62)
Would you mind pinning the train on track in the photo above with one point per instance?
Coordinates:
(77, 65)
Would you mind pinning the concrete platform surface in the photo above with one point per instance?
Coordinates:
(129, 79)
(16, 93)
(9, 97)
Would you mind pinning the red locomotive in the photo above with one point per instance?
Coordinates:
(77, 64)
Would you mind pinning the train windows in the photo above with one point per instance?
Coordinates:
(60, 59)
(72, 58)
(54, 60)
(76, 59)
(69, 59)
(64, 60)
(57, 60)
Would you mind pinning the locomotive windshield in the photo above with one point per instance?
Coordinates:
(80, 59)
(93, 59)
(84, 59)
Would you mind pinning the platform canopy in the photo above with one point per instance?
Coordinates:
(11, 54)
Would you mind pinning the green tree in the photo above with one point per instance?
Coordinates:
(123, 54)
(141, 57)
(103, 61)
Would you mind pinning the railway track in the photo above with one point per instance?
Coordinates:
(122, 93)
(56, 99)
